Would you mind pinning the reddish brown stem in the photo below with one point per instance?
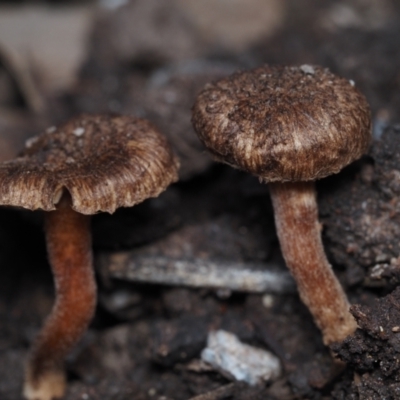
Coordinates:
(70, 255)
(296, 219)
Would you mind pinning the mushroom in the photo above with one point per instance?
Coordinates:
(90, 164)
(291, 126)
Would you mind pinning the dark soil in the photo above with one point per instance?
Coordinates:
(373, 351)
(361, 214)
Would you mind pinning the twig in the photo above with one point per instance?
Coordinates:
(235, 276)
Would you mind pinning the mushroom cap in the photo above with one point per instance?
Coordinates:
(284, 123)
(103, 161)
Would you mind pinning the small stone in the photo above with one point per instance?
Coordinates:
(30, 142)
(79, 131)
(307, 69)
(377, 271)
(241, 361)
(268, 300)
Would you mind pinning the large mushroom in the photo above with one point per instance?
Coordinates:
(291, 126)
(90, 164)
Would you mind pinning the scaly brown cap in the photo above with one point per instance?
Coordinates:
(284, 123)
(103, 161)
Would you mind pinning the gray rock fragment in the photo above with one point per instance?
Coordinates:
(241, 361)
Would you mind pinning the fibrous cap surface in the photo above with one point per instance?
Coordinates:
(284, 123)
(103, 161)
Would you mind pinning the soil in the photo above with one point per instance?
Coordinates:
(146, 339)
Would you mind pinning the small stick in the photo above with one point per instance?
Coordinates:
(244, 277)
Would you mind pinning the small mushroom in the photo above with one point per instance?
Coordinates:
(90, 164)
(291, 126)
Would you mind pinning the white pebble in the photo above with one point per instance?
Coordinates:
(79, 131)
(308, 69)
(241, 361)
(268, 300)
(31, 141)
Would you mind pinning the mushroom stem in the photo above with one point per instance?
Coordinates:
(70, 256)
(299, 232)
